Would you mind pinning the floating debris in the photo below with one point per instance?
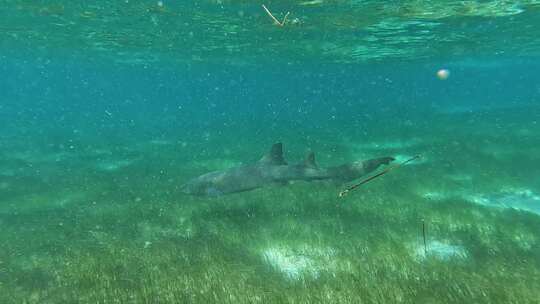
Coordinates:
(276, 22)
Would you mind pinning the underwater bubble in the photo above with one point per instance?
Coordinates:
(443, 74)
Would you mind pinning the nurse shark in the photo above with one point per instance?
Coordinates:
(272, 169)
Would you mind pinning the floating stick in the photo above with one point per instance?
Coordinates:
(346, 191)
(276, 22)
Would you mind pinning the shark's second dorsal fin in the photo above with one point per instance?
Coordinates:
(275, 156)
(310, 160)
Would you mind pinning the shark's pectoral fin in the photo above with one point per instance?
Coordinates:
(275, 156)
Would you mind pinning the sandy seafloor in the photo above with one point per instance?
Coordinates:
(103, 221)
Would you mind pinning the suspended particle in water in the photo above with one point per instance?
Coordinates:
(160, 3)
(443, 74)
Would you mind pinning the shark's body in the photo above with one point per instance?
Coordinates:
(273, 169)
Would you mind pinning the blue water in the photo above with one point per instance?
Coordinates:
(187, 100)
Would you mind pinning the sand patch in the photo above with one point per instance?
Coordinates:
(439, 250)
(4, 185)
(509, 198)
(160, 142)
(519, 199)
(302, 262)
(151, 232)
(42, 201)
(36, 157)
(386, 145)
(114, 165)
(216, 164)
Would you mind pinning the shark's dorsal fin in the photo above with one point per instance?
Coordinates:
(310, 160)
(275, 156)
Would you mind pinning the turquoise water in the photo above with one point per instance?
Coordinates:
(107, 109)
